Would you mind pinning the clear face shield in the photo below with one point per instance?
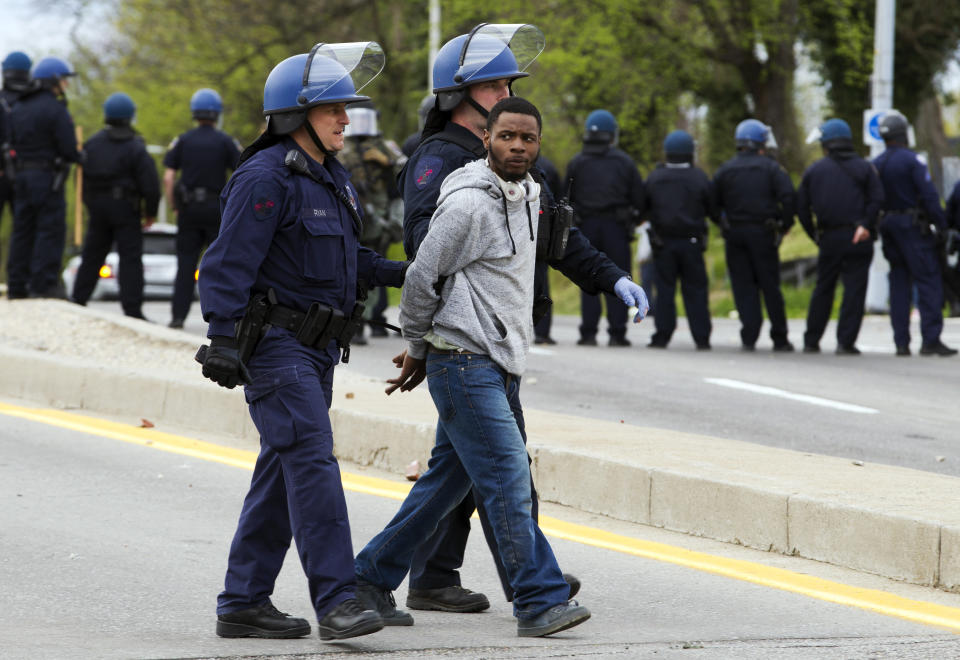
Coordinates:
(488, 41)
(338, 72)
(363, 122)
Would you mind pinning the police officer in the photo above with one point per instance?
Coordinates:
(470, 74)
(758, 202)
(678, 198)
(16, 79)
(42, 136)
(413, 140)
(607, 192)
(541, 330)
(373, 162)
(278, 288)
(951, 248)
(118, 175)
(911, 221)
(843, 191)
(203, 155)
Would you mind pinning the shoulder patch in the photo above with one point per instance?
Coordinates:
(426, 169)
(264, 200)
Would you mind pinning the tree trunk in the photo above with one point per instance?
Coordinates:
(931, 138)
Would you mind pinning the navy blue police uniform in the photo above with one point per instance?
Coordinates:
(911, 202)
(757, 199)
(42, 135)
(437, 560)
(677, 200)
(541, 330)
(606, 191)
(8, 98)
(843, 192)
(951, 273)
(203, 155)
(120, 185)
(284, 234)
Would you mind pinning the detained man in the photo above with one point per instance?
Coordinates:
(471, 341)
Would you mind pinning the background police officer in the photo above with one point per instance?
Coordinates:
(844, 193)
(290, 243)
(413, 140)
(607, 192)
(952, 248)
(470, 74)
(912, 219)
(756, 196)
(373, 162)
(118, 175)
(42, 135)
(16, 79)
(677, 200)
(203, 155)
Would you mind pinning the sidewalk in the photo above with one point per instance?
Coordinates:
(895, 522)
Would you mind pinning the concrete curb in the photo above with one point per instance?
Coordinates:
(895, 522)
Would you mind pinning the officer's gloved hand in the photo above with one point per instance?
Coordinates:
(632, 295)
(222, 363)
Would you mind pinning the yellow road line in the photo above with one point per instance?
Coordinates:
(867, 599)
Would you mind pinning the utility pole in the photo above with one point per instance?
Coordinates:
(434, 40)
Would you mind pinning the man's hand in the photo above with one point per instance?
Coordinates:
(222, 363)
(412, 373)
(861, 234)
(632, 295)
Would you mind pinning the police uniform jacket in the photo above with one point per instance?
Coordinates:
(751, 189)
(116, 164)
(604, 183)
(842, 190)
(678, 199)
(282, 231)
(436, 158)
(907, 185)
(203, 155)
(41, 130)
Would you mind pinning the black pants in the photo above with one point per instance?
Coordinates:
(753, 261)
(681, 258)
(436, 562)
(839, 259)
(112, 220)
(611, 237)
(197, 226)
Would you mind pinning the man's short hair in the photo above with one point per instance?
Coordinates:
(515, 104)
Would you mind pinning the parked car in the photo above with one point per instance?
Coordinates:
(159, 266)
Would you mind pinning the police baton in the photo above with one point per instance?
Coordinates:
(78, 196)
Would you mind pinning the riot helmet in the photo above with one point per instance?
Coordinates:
(206, 104)
(835, 134)
(751, 134)
(49, 71)
(16, 71)
(678, 147)
(363, 120)
(119, 109)
(601, 128)
(893, 127)
(491, 51)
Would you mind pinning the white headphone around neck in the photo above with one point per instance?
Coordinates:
(514, 190)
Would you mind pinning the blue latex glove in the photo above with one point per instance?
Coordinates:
(632, 296)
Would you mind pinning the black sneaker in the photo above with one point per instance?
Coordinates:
(381, 601)
(656, 344)
(547, 341)
(618, 341)
(587, 341)
(847, 350)
(785, 347)
(448, 599)
(903, 351)
(811, 348)
(703, 346)
(177, 324)
(554, 620)
(349, 619)
(937, 348)
(574, 584)
(263, 621)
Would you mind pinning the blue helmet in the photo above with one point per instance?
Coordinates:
(488, 52)
(752, 134)
(119, 107)
(601, 126)
(205, 104)
(678, 143)
(17, 61)
(835, 129)
(52, 69)
(329, 73)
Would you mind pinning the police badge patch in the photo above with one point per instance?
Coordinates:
(264, 200)
(427, 168)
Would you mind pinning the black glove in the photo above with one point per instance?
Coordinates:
(222, 362)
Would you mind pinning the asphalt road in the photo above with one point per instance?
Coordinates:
(110, 549)
(875, 407)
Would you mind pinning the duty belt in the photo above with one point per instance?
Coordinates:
(34, 164)
(319, 325)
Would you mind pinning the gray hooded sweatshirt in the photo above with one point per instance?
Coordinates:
(484, 245)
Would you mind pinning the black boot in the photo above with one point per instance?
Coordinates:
(349, 619)
(262, 621)
(448, 599)
(381, 601)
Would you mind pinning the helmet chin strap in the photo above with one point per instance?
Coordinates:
(479, 108)
(317, 141)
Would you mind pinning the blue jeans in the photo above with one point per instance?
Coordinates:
(478, 445)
